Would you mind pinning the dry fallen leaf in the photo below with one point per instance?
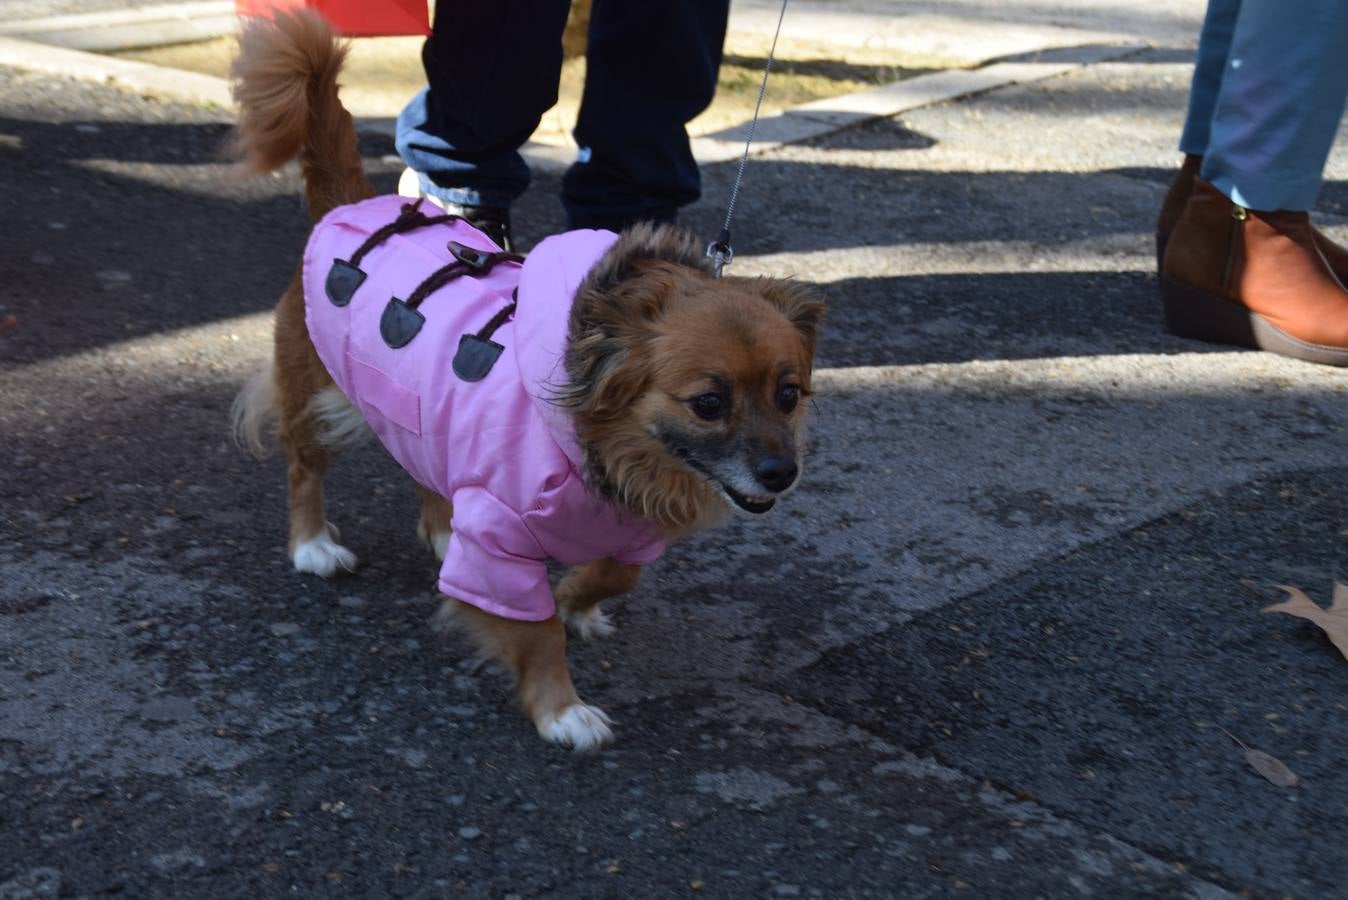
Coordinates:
(1272, 768)
(1334, 621)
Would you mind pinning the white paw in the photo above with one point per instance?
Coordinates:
(323, 556)
(437, 541)
(592, 623)
(580, 726)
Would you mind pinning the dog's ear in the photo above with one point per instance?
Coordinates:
(603, 377)
(623, 295)
(802, 305)
(608, 336)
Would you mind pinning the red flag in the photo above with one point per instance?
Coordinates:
(354, 18)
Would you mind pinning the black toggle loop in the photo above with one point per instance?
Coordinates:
(481, 260)
(410, 219)
(342, 282)
(399, 323)
(475, 357)
(436, 280)
(481, 265)
(475, 259)
(477, 353)
(497, 321)
(346, 276)
(401, 320)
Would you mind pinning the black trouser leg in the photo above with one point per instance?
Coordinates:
(492, 68)
(651, 67)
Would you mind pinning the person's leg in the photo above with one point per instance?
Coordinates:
(1214, 47)
(1214, 44)
(1281, 100)
(492, 68)
(650, 68)
(1243, 264)
(1213, 52)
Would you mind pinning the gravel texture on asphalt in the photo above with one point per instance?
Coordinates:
(985, 647)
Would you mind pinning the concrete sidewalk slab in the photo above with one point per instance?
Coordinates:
(1165, 23)
(132, 14)
(925, 90)
(924, 38)
(822, 117)
(119, 29)
(133, 76)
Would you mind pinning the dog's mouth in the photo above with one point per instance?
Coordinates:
(756, 504)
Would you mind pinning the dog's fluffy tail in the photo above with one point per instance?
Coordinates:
(285, 82)
(254, 409)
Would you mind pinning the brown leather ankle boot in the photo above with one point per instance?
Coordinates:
(1173, 204)
(1255, 279)
(1183, 187)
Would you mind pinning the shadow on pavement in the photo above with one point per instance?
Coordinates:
(167, 239)
(1095, 684)
(1006, 315)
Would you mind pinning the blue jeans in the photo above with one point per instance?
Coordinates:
(492, 69)
(1268, 92)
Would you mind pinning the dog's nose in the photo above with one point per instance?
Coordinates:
(776, 473)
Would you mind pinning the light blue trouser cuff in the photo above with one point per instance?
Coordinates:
(1260, 191)
(1269, 90)
(461, 196)
(434, 159)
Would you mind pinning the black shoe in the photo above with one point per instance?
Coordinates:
(493, 221)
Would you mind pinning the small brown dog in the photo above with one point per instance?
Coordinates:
(682, 391)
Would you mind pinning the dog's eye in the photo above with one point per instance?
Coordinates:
(788, 395)
(708, 406)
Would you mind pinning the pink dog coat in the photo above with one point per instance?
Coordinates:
(504, 455)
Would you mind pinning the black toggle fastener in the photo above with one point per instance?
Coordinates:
(477, 353)
(343, 279)
(346, 276)
(401, 320)
(475, 357)
(475, 259)
(399, 323)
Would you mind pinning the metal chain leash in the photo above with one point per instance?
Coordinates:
(719, 251)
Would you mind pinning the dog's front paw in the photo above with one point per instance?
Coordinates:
(579, 726)
(322, 555)
(591, 623)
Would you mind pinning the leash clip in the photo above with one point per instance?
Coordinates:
(719, 252)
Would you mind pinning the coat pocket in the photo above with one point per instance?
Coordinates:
(396, 403)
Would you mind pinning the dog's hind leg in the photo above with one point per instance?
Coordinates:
(300, 378)
(582, 588)
(433, 526)
(536, 653)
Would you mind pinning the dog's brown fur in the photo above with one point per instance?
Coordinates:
(651, 335)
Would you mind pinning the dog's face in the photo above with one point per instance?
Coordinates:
(692, 388)
(727, 376)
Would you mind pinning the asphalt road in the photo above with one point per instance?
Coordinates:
(986, 649)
